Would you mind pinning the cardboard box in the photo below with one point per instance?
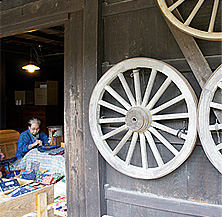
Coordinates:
(26, 97)
(46, 93)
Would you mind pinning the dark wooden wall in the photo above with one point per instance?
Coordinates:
(98, 35)
(137, 28)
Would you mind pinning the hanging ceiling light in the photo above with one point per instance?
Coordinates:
(31, 67)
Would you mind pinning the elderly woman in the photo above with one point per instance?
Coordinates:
(31, 138)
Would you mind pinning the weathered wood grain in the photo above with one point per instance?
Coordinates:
(42, 205)
(137, 200)
(27, 203)
(111, 8)
(91, 65)
(73, 122)
(36, 15)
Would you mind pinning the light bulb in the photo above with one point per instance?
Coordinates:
(30, 68)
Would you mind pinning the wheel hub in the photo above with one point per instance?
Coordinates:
(138, 119)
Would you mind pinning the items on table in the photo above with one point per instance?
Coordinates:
(29, 175)
(8, 185)
(18, 191)
(35, 165)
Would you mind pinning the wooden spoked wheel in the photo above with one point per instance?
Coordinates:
(199, 18)
(209, 127)
(143, 118)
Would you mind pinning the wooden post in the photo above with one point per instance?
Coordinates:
(73, 123)
(42, 205)
(82, 158)
(91, 66)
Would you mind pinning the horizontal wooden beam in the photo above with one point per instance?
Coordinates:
(38, 14)
(125, 6)
(135, 198)
(181, 63)
(30, 42)
(34, 24)
(40, 34)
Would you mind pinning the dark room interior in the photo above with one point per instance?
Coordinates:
(45, 48)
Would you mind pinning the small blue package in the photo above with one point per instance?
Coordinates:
(18, 191)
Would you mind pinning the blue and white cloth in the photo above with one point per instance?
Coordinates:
(52, 163)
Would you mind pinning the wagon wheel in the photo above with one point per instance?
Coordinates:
(148, 130)
(210, 29)
(209, 127)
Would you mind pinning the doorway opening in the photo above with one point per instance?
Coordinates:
(36, 95)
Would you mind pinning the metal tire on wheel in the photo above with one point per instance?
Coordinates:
(146, 129)
(209, 127)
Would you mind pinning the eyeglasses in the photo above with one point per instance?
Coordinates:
(33, 129)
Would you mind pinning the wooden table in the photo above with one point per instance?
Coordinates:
(34, 201)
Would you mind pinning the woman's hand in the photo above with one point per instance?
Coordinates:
(37, 142)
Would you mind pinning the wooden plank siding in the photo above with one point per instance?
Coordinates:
(144, 32)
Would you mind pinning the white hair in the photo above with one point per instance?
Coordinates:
(34, 120)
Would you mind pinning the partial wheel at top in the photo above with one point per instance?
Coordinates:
(198, 18)
(142, 117)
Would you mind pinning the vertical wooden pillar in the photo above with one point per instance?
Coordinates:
(81, 67)
(73, 114)
(91, 66)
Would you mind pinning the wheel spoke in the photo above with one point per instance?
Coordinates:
(114, 132)
(167, 129)
(112, 107)
(219, 147)
(220, 85)
(213, 16)
(159, 93)
(167, 104)
(136, 77)
(149, 87)
(175, 5)
(111, 120)
(163, 140)
(114, 94)
(122, 142)
(131, 148)
(216, 105)
(154, 148)
(215, 127)
(127, 89)
(170, 116)
(193, 13)
(143, 151)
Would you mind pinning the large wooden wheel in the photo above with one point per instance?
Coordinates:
(210, 128)
(207, 27)
(142, 117)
